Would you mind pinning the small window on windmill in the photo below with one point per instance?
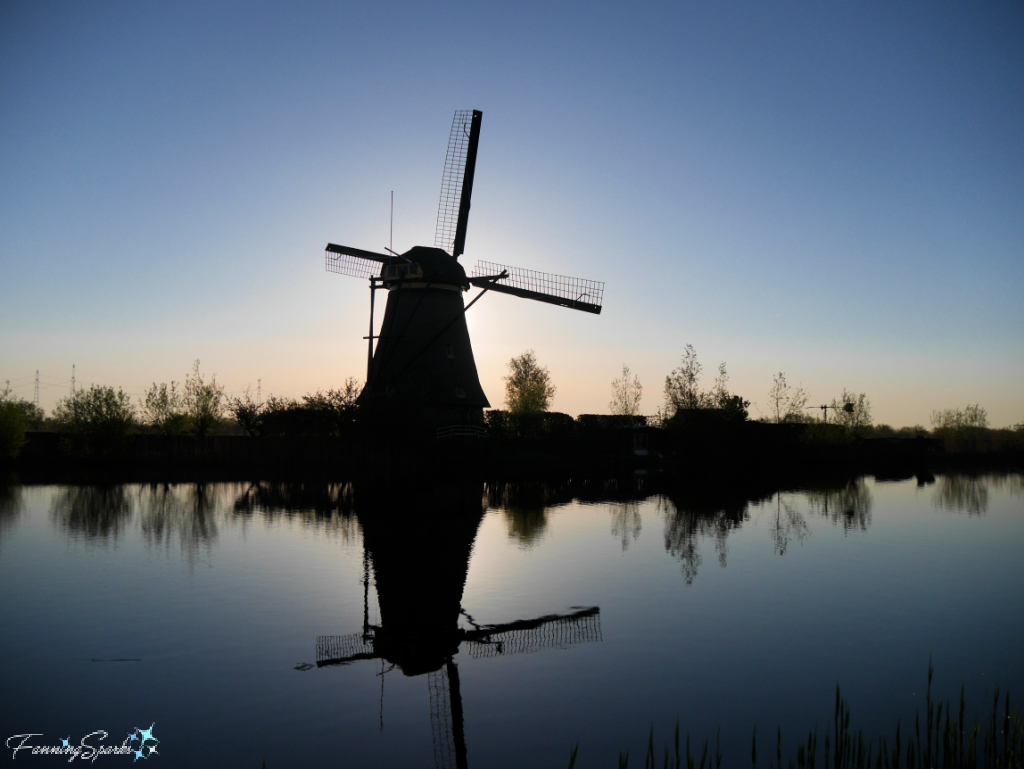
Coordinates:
(460, 392)
(450, 350)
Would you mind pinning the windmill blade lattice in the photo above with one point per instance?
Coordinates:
(343, 649)
(577, 293)
(441, 719)
(527, 636)
(353, 266)
(448, 210)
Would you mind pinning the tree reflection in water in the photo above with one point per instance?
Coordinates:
(963, 493)
(693, 514)
(186, 512)
(11, 505)
(626, 522)
(325, 505)
(97, 513)
(525, 505)
(848, 505)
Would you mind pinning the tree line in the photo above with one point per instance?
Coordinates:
(100, 416)
(529, 389)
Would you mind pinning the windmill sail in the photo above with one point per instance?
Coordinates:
(552, 631)
(556, 631)
(355, 262)
(343, 649)
(575, 293)
(457, 182)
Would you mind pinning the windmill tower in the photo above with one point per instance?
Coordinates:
(424, 356)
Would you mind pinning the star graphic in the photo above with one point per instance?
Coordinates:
(65, 740)
(133, 735)
(152, 750)
(138, 755)
(147, 734)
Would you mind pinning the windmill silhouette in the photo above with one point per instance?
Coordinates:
(419, 544)
(423, 354)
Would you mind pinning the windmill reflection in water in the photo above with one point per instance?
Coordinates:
(419, 551)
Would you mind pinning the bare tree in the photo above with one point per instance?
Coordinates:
(681, 386)
(626, 394)
(204, 401)
(852, 410)
(787, 403)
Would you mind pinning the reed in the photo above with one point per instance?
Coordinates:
(947, 742)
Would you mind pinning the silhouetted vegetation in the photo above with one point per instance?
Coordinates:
(330, 413)
(944, 741)
(163, 409)
(683, 394)
(706, 428)
(198, 408)
(626, 395)
(13, 425)
(528, 386)
(853, 411)
(96, 421)
(787, 403)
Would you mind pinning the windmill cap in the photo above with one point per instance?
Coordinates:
(437, 265)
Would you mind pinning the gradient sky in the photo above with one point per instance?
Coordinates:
(835, 190)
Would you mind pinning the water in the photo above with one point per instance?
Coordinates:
(190, 607)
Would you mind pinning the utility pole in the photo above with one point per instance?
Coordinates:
(259, 392)
(36, 397)
(72, 378)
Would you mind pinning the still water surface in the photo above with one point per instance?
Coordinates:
(326, 624)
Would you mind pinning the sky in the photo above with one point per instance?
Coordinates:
(833, 191)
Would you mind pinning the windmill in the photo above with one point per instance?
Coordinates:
(423, 354)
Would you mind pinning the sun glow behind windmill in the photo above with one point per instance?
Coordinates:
(423, 352)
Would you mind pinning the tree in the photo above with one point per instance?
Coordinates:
(332, 411)
(246, 411)
(852, 411)
(966, 424)
(683, 393)
(98, 419)
(626, 394)
(785, 402)
(733, 405)
(163, 409)
(204, 401)
(957, 420)
(681, 388)
(13, 424)
(528, 387)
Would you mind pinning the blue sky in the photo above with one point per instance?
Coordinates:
(833, 191)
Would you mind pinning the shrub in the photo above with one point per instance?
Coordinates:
(203, 401)
(246, 411)
(323, 413)
(163, 409)
(97, 420)
(12, 426)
